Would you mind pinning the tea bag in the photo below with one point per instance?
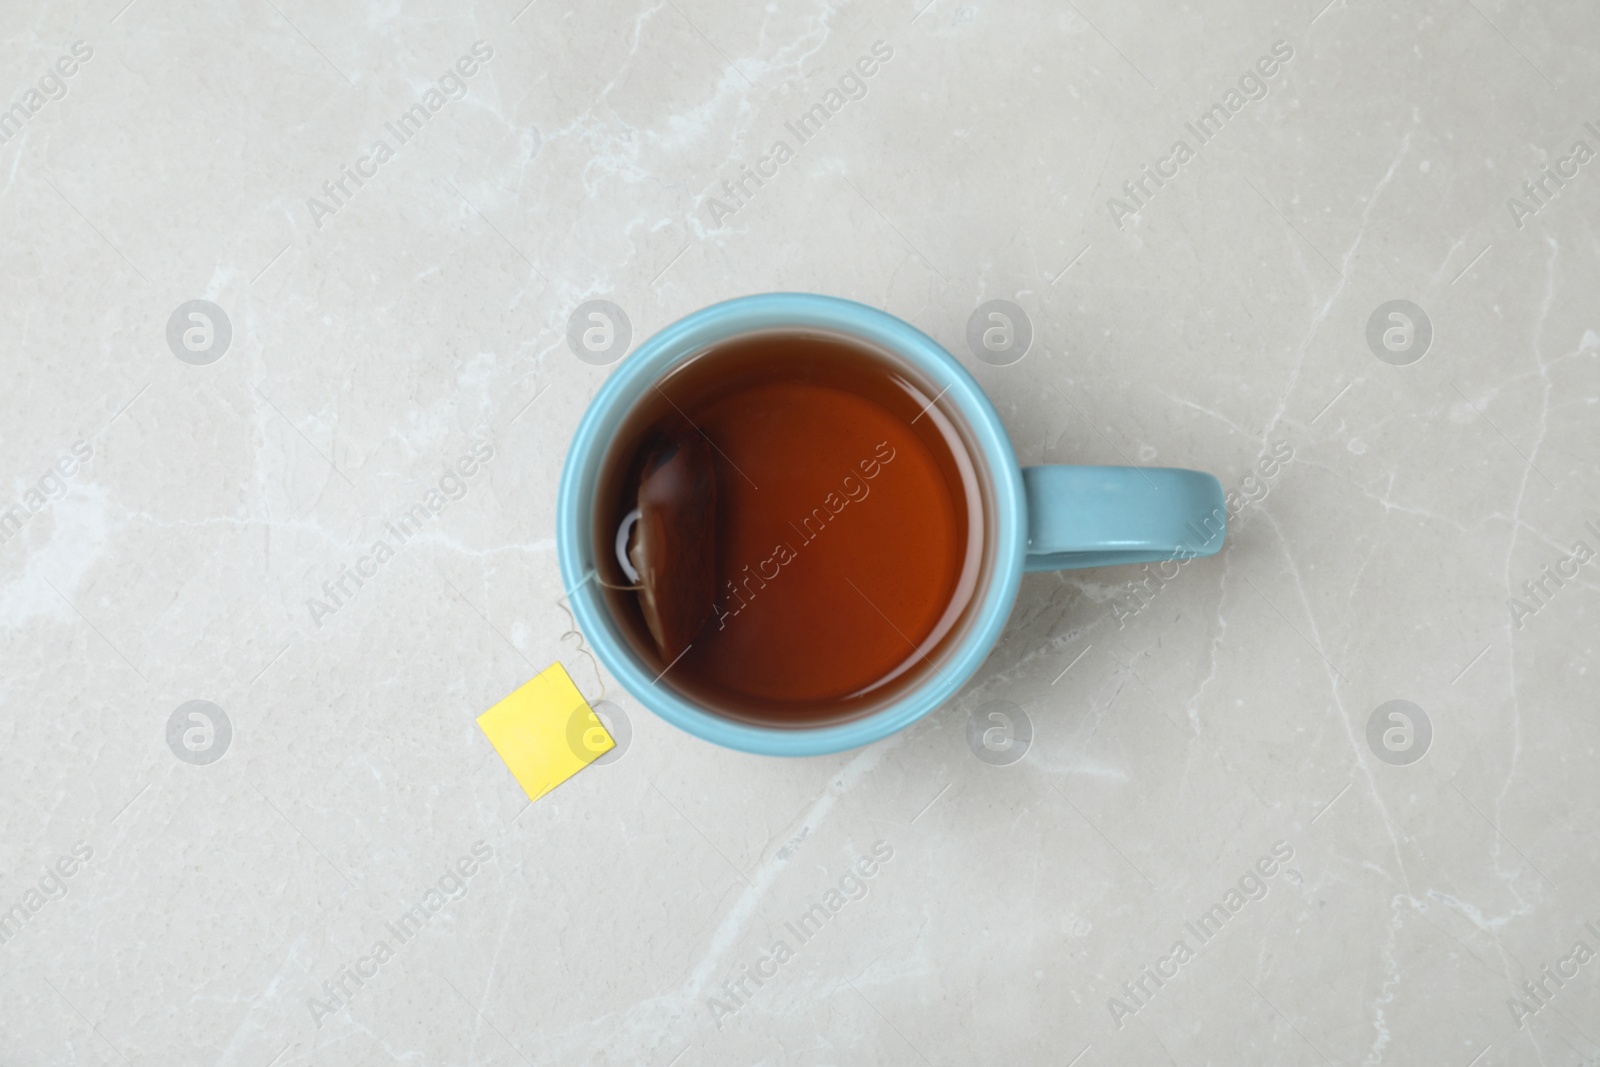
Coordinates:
(674, 542)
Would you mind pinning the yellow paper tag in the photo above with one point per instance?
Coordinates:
(545, 731)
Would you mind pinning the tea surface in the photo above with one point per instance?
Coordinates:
(847, 535)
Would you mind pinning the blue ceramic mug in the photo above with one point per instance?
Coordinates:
(1044, 518)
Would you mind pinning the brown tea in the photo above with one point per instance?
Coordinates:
(790, 528)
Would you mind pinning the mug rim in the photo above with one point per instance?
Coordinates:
(747, 314)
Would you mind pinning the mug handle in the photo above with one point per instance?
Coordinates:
(1101, 516)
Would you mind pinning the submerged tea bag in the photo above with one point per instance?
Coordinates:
(674, 549)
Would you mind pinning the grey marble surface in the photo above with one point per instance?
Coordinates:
(182, 492)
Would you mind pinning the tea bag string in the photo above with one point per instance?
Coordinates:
(583, 646)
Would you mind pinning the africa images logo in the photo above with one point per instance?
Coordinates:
(1252, 886)
(852, 85)
(453, 485)
(53, 886)
(452, 85)
(52, 86)
(853, 885)
(339, 991)
(811, 527)
(1253, 87)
